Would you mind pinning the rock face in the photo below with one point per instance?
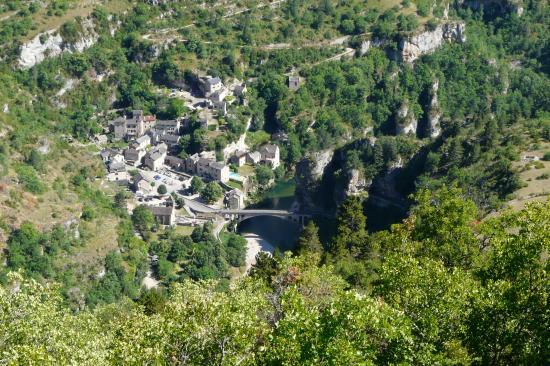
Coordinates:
(357, 183)
(51, 44)
(434, 115)
(411, 48)
(369, 43)
(405, 121)
(319, 161)
(309, 172)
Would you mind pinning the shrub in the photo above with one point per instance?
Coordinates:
(88, 213)
(162, 189)
(28, 178)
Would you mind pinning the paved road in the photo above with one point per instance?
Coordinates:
(198, 206)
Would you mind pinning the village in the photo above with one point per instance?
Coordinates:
(151, 169)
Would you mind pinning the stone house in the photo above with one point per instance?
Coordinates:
(207, 168)
(133, 127)
(155, 135)
(203, 167)
(211, 85)
(154, 159)
(119, 128)
(165, 215)
(293, 82)
(253, 157)
(175, 163)
(141, 142)
(219, 95)
(134, 156)
(234, 200)
(107, 154)
(118, 173)
(239, 90)
(270, 155)
(169, 126)
(117, 166)
(141, 184)
(219, 171)
(170, 140)
(239, 159)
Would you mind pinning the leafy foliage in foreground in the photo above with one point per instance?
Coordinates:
(423, 308)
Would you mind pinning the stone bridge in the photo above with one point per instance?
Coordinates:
(241, 215)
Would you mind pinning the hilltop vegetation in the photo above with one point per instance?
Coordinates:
(484, 302)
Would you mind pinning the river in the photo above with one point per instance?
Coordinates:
(267, 233)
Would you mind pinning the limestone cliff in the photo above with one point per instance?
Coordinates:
(309, 172)
(434, 114)
(51, 44)
(405, 121)
(357, 184)
(411, 48)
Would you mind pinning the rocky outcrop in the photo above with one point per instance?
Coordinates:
(434, 114)
(405, 121)
(319, 161)
(411, 48)
(51, 44)
(366, 45)
(309, 173)
(357, 183)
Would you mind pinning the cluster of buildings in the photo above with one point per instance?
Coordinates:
(152, 143)
(138, 125)
(267, 154)
(220, 96)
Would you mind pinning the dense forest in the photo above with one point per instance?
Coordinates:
(460, 280)
(442, 288)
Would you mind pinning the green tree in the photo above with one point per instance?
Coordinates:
(162, 189)
(350, 227)
(264, 175)
(309, 241)
(25, 250)
(436, 300)
(212, 192)
(176, 108)
(509, 322)
(180, 248)
(444, 222)
(236, 250)
(196, 185)
(143, 218)
(120, 200)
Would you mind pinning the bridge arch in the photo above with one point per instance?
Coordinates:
(298, 220)
(243, 215)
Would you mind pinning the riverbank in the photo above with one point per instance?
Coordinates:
(254, 245)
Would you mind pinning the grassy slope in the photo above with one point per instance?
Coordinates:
(81, 8)
(535, 189)
(53, 207)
